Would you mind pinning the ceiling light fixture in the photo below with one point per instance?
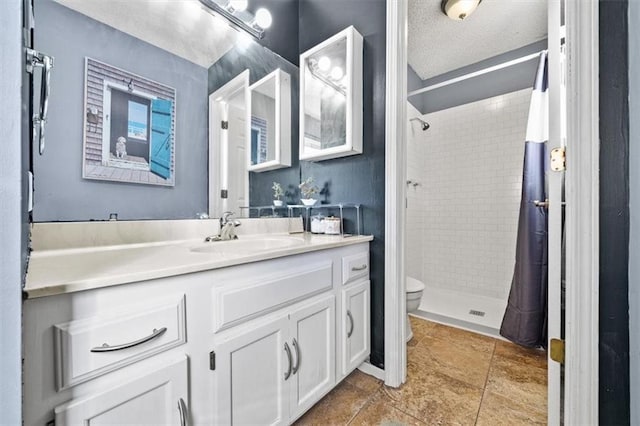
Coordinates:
(458, 10)
(234, 11)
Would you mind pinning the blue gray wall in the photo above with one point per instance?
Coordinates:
(634, 207)
(13, 219)
(614, 404)
(359, 178)
(61, 193)
(496, 83)
(260, 62)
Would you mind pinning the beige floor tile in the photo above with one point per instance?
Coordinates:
(534, 357)
(380, 411)
(497, 410)
(518, 381)
(465, 339)
(421, 328)
(455, 360)
(437, 399)
(364, 381)
(338, 407)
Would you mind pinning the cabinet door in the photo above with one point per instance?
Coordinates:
(157, 398)
(355, 326)
(249, 378)
(313, 343)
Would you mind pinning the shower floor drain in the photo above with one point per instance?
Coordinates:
(476, 313)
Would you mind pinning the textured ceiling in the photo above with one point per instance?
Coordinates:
(183, 28)
(438, 44)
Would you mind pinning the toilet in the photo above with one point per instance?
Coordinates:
(414, 295)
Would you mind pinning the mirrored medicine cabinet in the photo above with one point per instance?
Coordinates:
(331, 98)
(270, 122)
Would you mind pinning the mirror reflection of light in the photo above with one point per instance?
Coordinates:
(192, 9)
(263, 18)
(337, 73)
(244, 41)
(324, 64)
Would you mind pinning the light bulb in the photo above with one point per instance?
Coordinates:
(238, 5)
(263, 18)
(324, 64)
(337, 73)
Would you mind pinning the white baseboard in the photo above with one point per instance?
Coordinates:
(372, 370)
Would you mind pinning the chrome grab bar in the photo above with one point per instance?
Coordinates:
(359, 268)
(109, 348)
(297, 348)
(182, 409)
(288, 351)
(350, 332)
(35, 60)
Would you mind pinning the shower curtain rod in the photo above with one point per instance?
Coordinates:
(476, 73)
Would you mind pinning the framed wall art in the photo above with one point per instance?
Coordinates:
(129, 127)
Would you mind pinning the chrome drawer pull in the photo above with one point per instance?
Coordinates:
(288, 351)
(297, 348)
(351, 321)
(359, 268)
(108, 348)
(182, 408)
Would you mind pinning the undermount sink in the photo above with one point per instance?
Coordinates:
(252, 245)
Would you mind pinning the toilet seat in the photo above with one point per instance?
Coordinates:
(414, 285)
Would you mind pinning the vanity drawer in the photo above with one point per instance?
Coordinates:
(94, 346)
(355, 266)
(237, 302)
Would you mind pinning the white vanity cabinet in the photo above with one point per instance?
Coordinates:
(256, 343)
(356, 329)
(270, 372)
(159, 397)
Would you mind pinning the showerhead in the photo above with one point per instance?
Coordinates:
(424, 124)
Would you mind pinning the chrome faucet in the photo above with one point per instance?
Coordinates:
(227, 229)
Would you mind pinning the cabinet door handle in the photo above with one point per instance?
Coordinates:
(359, 268)
(350, 332)
(109, 348)
(288, 351)
(297, 348)
(182, 408)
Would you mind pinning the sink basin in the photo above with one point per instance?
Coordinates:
(247, 246)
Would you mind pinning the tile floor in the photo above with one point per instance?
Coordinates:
(454, 377)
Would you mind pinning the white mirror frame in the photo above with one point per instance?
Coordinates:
(353, 142)
(282, 122)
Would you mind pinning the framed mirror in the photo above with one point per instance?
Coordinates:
(269, 140)
(331, 98)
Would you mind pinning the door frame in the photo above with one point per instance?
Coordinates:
(582, 199)
(216, 140)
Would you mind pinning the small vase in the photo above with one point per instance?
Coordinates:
(278, 203)
(308, 201)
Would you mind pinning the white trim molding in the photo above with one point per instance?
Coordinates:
(395, 349)
(582, 213)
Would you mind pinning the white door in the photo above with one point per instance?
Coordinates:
(557, 139)
(313, 343)
(250, 387)
(157, 398)
(355, 318)
(238, 179)
(228, 129)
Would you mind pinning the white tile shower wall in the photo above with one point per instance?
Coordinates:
(471, 175)
(416, 139)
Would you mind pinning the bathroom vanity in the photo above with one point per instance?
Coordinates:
(253, 331)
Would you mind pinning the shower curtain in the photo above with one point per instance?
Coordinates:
(525, 319)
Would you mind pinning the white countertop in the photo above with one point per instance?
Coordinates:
(60, 271)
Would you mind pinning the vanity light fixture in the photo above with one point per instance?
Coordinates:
(458, 10)
(324, 64)
(234, 11)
